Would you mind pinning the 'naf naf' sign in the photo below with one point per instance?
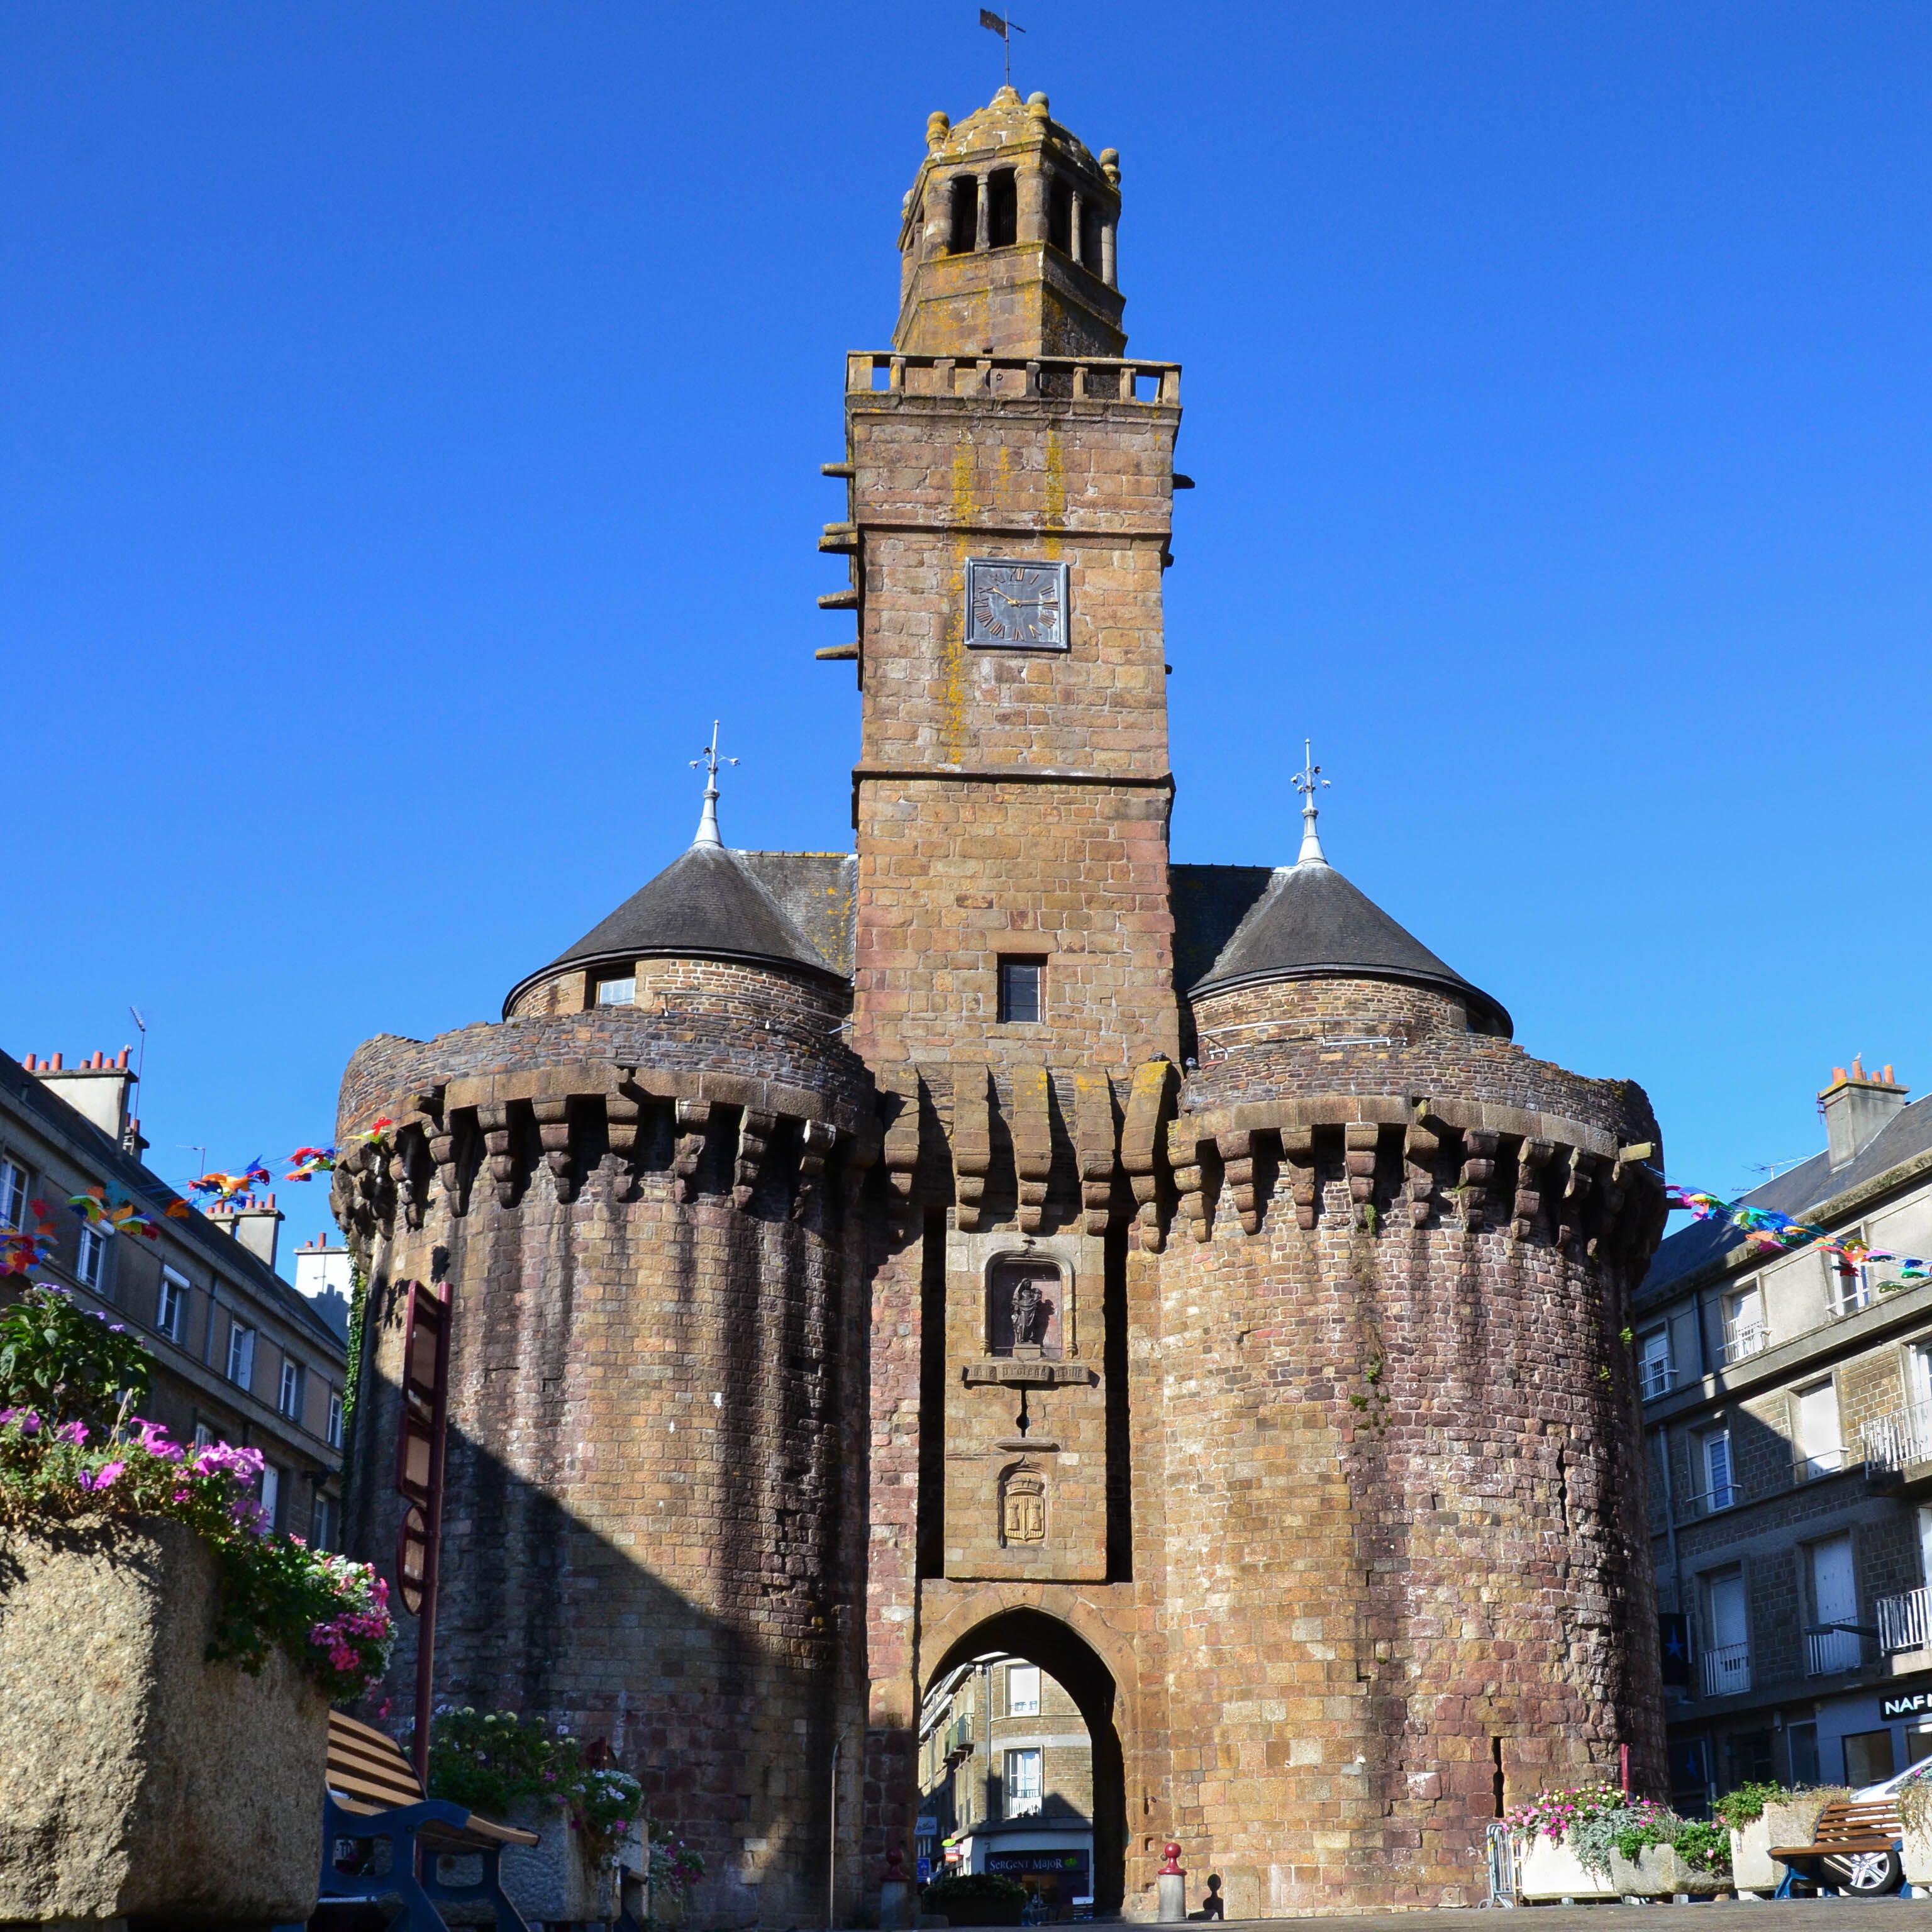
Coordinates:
(1907, 1707)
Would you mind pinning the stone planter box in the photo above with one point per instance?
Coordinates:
(1752, 1868)
(1658, 1873)
(1547, 1869)
(140, 1778)
(552, 1882)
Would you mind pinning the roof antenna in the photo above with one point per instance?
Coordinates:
(707, 826)
(1307, 782)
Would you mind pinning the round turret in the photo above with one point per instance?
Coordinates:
(643, 1187)
(1394, 1383)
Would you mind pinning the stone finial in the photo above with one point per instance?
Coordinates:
(1008, 96)
(1036, 106)
(1110, 165)
(938, 125)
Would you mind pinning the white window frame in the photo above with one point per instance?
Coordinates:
(15, 1185)
(1841, 1297)
(171, 1305)
(1024, 1700)
(288, 1389)
(1025, 1804)
(1812, 1459)
(1656, 1369)
(271, 1492)
(241, 1354)
(332, 1428)
(1744, 1339)
(321, 1528)
(615, 989)
(90, 1257)
(1717, 1496)
(203, 1434)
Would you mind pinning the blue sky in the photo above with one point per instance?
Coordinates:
(409, 425)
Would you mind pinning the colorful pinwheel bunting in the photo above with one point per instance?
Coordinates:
(1766, 1227)
(226, 1187)
(379, 1131)
(306, 1162)
(118, 1217)
(22, 1250)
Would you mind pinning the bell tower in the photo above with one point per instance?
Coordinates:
(1010, 473)
(1007, 243)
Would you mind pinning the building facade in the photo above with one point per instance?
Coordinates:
(1788, 1406)
(239, 1356)
(1001, 1240)
(1006, 1782)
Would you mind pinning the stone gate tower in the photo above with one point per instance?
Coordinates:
(1004, 1238)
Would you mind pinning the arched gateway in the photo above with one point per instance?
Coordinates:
(1082, 1673)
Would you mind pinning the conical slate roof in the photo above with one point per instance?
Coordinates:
(707, 903)
(1311, 923)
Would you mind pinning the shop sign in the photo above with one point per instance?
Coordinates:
(1907, 1707)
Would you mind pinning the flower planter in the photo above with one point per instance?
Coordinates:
(1658, 1872)
(1547, 1868)
(552, 1882)
(1753, 1867)
(140, 1778)
(1917, 1856)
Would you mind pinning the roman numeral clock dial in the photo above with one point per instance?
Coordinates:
(1015, 606)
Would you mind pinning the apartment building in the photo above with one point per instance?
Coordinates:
(240, 1356)
(1006, 1781)
(1788, 1412)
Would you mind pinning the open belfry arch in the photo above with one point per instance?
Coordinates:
(1001, 1236)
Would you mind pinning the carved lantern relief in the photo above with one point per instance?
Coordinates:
(1024, 1304)
(1022, 1506)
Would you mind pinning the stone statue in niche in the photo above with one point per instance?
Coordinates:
(1023, 1507)
(1023, 1310)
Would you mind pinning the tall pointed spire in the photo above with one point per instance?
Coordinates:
(708, 758)
(1307, 782)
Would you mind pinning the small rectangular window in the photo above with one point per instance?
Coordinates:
(90, 1259)
(271, 1495)
(333, 1431)
(617, 992)
(1654, 1363)
(13, 1210)
(963, 214)
(241, 1355)
(289, 1396)
(1716, 1446)
(171, 1306)
(322, 1524)
(1023, 1690)
(1019, 992)
(203, 1434)
(1023, 1784)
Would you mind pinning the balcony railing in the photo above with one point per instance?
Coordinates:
(1658, 1380)
(1727, 1670)
(1903, 1621)
(1808, 1463)
(1748, 1339)
(1902, 1436)
(1831, 1651)
(1708, 1502)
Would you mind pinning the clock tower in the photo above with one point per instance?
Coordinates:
(1011, 481)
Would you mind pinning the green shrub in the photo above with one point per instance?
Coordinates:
(976, 1898)
(1745, 1805)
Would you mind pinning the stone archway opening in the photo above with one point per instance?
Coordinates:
(1033, 1637)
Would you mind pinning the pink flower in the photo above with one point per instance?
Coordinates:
(75, 1432)
(103, 1477)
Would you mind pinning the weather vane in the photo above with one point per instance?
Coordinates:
(1308, 781)
(708, 758)
(1005, 28)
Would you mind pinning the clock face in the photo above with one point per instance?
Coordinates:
(1015, 606)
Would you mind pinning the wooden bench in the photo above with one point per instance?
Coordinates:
(374, 1794)
(1854, 1849)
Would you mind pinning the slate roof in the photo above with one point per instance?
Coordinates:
(789, 909)
(1807, 1187)
(1307, 921)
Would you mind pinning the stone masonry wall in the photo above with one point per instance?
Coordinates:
(1407, 1573)
(655, 1482)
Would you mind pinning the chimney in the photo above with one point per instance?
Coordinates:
(1856, 1107)
(99, 1089)
(254, 1220)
